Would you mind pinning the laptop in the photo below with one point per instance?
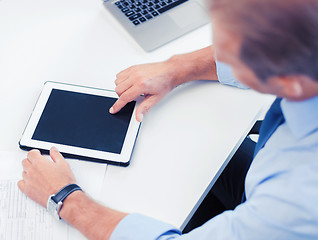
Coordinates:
(153, 23)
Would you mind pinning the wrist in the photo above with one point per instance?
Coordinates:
(90, 218)
(55, 201)
(77, 211)
(179, 70)
(197, 65)
(70, 203)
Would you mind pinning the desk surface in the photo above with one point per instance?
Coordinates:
(183, 142)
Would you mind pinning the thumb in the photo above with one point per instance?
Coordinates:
(56, 155)
(145, 106)
(21, 185)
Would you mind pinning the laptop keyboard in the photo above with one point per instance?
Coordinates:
(140, 11)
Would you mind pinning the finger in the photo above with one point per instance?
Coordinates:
(122, 87)
(26, 164)
(122, 76)
(120, 80)
(34, 155)
(128, 96)
(145, 106)
(25, 175)
(21, 185)
(56, 155)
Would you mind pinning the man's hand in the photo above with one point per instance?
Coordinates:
(43, 177)
(154, 80)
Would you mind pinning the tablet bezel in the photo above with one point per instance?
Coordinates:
(26, 141)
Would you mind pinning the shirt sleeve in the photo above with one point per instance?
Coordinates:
(270, 212)
(138, 227)
(247, 222)
(226, 76)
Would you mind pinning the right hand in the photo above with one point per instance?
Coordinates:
(154, 80)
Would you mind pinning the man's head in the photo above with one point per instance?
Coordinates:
(272, 45)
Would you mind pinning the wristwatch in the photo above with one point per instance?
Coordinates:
(55, 201)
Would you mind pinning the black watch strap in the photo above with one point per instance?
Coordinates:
(64, 192)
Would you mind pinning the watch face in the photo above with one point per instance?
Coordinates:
(53, 207)
(58, 209)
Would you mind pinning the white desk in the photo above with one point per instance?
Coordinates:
(183, 142)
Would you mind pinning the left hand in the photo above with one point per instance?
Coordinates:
(42, 177)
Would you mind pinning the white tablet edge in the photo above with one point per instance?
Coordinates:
(123, 157)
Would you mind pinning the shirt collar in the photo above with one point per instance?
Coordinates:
(301, 117)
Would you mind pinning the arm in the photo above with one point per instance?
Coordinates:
(155, 80)
(42, 177)
(93, 220)
(262, 216)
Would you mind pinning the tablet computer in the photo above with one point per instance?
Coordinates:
(76, 120)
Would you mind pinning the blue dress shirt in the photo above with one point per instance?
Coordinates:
(281, 188)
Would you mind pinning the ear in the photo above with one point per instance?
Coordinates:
(289, 87)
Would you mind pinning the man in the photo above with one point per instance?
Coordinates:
(272, 47)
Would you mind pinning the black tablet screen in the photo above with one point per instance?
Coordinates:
(83, 120)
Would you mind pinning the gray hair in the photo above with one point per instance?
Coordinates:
(279, 37)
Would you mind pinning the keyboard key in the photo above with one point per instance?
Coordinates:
(148, 16)
(132, 18)
(136, 22)
(120, 6)
(137, 10)
(163, 4)
(125, 10)
(117, 3)
(151, 9)
(149, 4)
(143, 7)
(138, 4)
(142, 19)
(144, 12)
(129, 13)
(155, 13)
(172, 5)
(157, 6)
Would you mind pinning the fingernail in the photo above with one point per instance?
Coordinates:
(141, 116)
(54, 149)
(111, 110)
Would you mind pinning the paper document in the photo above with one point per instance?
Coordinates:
(22, 218)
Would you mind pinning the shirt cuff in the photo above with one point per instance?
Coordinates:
(226, 76)
(139, 227)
